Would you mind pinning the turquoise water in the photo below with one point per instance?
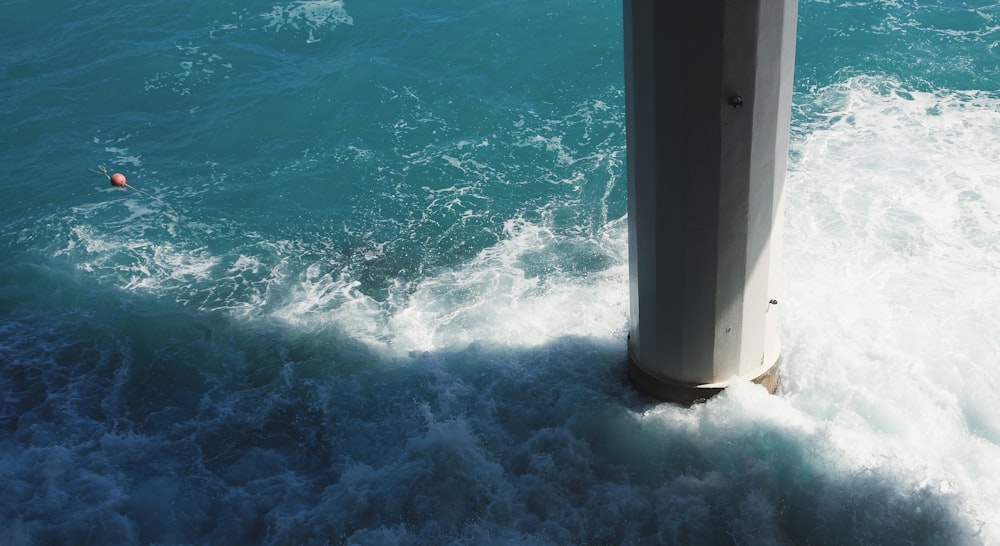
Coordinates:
(370, 286)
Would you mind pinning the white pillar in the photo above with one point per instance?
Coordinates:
(708, 88)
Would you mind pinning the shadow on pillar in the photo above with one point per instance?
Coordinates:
(690, 394)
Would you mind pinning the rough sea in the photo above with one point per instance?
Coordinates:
(370, 283)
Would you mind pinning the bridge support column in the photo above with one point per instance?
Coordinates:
(708, 87)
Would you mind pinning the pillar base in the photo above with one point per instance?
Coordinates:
(688, 394)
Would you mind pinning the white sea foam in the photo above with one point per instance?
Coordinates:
(194, 68)
(891, 295)
(502, 297)
(313, 15)
(123, 157)
(123, 251)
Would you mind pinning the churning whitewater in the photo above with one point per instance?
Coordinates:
(375, 287)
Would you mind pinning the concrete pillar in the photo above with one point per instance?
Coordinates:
(708, 87)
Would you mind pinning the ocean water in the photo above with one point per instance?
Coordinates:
(370, 284)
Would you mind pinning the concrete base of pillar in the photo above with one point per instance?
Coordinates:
(688, 395)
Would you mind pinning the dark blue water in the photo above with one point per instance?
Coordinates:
(369, 285)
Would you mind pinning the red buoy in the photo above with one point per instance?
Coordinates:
(117, 179)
